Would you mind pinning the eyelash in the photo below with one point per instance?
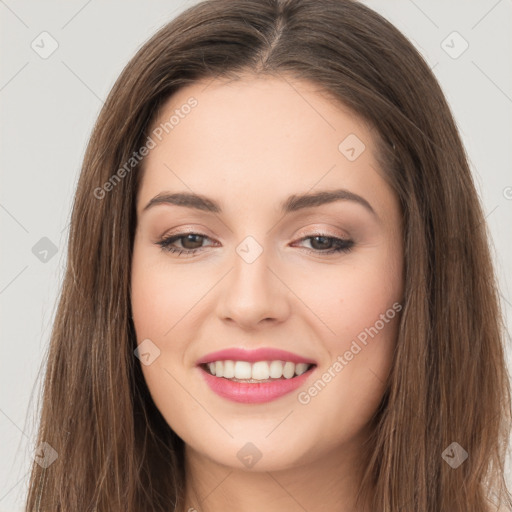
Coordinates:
(343, 245)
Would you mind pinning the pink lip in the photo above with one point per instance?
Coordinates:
(251, 356)
(254, 392)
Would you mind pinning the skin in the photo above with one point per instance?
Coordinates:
(249, 144)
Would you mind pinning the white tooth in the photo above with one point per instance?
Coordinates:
(229, 369)
(260, 370)
(276, 369)
(243, 370)
(300, 368)
(288, 370)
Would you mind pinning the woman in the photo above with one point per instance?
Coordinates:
(209, 349)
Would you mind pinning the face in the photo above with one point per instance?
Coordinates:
(320, 279)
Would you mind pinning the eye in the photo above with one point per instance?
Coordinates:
(335, 244)
(191, 243)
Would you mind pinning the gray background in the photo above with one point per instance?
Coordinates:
(48, 106)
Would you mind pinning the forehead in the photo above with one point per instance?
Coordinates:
(256, 135)
(259, 110)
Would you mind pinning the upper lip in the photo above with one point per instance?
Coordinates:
(251, 356)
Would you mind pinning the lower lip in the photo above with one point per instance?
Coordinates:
(256, 392)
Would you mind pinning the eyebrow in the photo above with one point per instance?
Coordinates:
(292, 204)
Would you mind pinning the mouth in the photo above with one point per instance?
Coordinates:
(259, 372)
(255, 383)
(254, 376)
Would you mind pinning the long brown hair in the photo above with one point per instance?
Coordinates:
(449, 381)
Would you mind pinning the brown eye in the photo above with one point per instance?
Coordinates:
(190, 243)
(321, 242)
(324, 244)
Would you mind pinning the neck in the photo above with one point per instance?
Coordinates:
(328, 482)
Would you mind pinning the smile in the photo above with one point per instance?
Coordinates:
(244, 371)
(257, 382)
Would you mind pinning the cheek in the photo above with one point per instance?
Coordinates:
(160, 295)
(360, 312)
(353, 298)
(159, 300)
(353, 380)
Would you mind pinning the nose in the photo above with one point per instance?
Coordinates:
(253, 294)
